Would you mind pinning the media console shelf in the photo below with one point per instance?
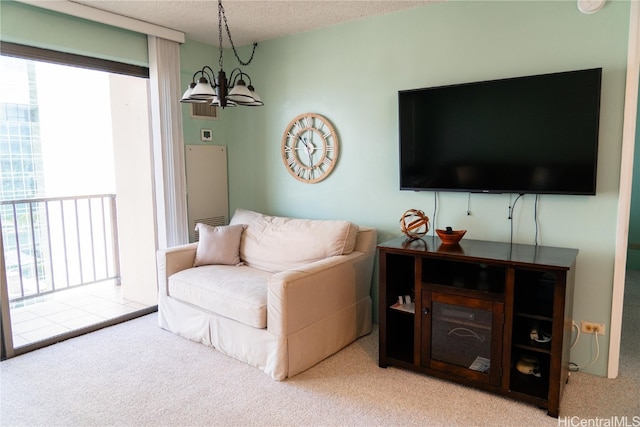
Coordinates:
(491, 315)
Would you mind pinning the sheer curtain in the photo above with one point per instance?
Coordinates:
(168, 146)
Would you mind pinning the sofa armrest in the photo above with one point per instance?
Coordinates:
(366, 240)
(301, 297)
(172, 260)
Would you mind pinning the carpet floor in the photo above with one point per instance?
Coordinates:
(136, 374)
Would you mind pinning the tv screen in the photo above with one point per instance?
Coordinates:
(535, 134)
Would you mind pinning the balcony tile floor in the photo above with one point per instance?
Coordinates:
(46, 316)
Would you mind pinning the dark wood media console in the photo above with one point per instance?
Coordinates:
(491, 315)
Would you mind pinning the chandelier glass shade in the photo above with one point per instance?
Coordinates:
(222, 91)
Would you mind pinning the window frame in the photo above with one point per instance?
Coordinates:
(70, 59)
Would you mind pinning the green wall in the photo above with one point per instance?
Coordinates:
(351, 73)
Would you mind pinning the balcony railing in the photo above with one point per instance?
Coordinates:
(52, 244)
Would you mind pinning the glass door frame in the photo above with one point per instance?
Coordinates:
(496, 308)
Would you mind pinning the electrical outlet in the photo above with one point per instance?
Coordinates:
(591, 327)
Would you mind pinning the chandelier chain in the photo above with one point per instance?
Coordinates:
(235, 52)
(220, 14)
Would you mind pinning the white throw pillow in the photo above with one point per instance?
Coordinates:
(276, 244)
(218, 245)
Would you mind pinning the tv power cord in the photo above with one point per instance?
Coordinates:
(574, 367)
(512, 207)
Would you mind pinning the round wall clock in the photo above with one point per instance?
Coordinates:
(590, 6)
(309, 148)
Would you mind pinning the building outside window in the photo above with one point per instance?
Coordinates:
(52, 146)
(21, 170)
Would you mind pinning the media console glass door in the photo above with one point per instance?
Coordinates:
(462, 335)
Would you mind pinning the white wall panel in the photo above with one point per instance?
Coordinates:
(207, 190)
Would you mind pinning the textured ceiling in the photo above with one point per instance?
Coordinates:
(249, 20)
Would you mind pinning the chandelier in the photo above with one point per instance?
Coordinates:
(223, 92)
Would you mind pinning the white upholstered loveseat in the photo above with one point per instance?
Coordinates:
(299, 293)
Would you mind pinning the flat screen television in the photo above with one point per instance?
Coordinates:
(535, 134)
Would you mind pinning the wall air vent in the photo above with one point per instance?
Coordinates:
(214, 222)
(203, 111)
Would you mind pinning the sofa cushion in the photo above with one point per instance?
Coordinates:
(239, 293)
(277, 244)
(218, 245)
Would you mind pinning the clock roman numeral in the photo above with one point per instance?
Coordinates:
(308, 121)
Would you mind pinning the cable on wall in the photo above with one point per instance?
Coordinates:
(575, 367)
(577, 328)
(512, 208)
(535, 220)
(435, 210)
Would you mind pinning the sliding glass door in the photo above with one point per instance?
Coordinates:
(69, 167)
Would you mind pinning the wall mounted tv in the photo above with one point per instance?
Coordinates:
(535, 134)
